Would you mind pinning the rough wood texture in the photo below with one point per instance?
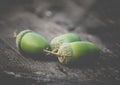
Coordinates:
(42, 17)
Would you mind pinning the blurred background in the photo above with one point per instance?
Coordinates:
(97, 21)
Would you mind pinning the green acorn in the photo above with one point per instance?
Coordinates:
(31, 42)
(69, 52)
(66, 38)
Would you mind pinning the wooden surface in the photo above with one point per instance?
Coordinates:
(47, 70)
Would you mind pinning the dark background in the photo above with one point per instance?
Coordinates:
(97, 21)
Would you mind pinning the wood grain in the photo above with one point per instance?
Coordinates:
(12, 62)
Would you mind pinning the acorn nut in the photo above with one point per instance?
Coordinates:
(31, 42)
(66, 38)
(75, 50)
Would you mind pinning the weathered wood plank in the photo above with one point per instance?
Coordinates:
(46, 69)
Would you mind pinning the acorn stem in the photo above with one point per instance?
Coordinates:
(14, 34)
(55, 50)
(50, 52)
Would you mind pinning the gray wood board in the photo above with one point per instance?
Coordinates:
(48, 69)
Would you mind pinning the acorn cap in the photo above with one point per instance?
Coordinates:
(56, 42)
(65, 53)
(19, 37)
